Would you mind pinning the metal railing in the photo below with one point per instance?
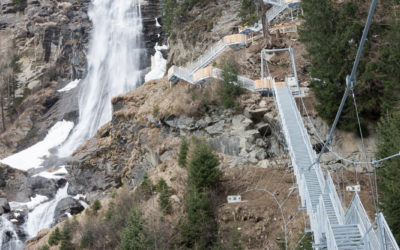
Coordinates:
(356, 214)
(215, 50)
(335, 198)
(387, 240)
(276, 2)
(275, 11)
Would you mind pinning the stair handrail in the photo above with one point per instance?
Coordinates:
(337, 205)
(206, 56)
(325, 225)
(387, 240)
(356, 214)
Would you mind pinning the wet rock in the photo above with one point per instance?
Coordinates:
(4, 206)
(153, 34)
(67, 205)
(42, 186)
(18, 217)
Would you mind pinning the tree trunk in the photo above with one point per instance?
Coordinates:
(264, 20)
(2, 111)
(9, 97)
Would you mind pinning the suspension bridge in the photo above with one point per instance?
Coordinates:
(333, 226)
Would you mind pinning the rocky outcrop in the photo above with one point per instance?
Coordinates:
(205, 25)
(16, 185)
(138, 139)
(49, 34)
(51, 39)
(67, 207)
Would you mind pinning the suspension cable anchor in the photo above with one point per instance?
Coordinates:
(350, 82)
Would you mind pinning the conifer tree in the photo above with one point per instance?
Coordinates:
(389, 65)
(183, 150)
(389, 141)
(135, 235)
(200, 231)
(203, 172)
(248, 12)
(230, 86)
(163, 199)
(331, 35)
(169, 13)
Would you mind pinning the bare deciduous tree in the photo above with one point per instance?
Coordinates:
(264, 20)
(7, 73)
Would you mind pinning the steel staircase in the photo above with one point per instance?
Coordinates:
(275, 11)
(332, 228)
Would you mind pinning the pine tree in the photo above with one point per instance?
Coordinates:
(135, 235)
(248, 12)
(331, 35)
(55, 237)
(182, 155)
(203, 172)
(230, 86)
(200, 231)
(389, 141)
(389, 65)
(163, 199)
(146, 186)
(169, 14)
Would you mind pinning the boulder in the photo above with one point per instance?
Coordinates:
(4, 206)
(256, 115)
(42, 186)
(7, 6)
(241, 122)
(182, 122)
(217, 128)
(264, 129)
(226, 144)
(67, 205)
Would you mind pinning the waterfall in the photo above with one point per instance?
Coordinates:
(8, 237)
(42, 216)
(114, 57)
(115, 51)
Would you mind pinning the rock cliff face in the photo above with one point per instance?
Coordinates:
(51, 38)
(152, 29)
(147, 127)
(50, 35)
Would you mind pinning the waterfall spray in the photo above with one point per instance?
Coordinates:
(114, 58)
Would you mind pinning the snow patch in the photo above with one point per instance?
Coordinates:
(70, 86)
(35, 201)
(34, 156)
(58, 174)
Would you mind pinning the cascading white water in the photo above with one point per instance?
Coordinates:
(115, 53)
(114, 65)
(8, 237)
(42, 216)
